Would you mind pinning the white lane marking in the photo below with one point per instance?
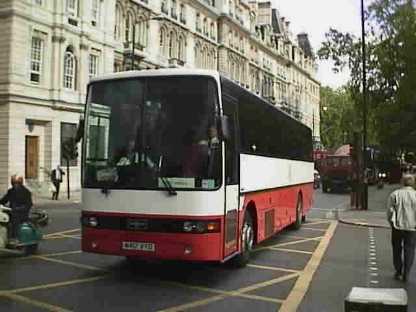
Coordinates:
(372, 259)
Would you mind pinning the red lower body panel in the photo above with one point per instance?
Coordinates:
(172, 246)
(282, 201)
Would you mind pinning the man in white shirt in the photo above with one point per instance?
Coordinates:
(401, 214)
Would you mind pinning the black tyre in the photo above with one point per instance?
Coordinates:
(299, 211)
(324, 187)
(247, 242)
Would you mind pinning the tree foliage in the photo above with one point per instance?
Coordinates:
(338, 117)
(391, 71)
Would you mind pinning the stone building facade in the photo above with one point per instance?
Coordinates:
(49, 49)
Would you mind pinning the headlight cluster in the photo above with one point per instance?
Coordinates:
(382, 175)
(89, 221)
(201, 226)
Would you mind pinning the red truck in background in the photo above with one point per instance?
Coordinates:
(336, 170)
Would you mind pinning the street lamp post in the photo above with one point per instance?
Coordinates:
(132, 56)
(364, 147)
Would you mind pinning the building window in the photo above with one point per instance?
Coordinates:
(38, 2)
(128, 36)
(181, 49)
(142, 31)
(198, 22)
(95, 12)
(118, 67)
(69, 69)
(163, 41)
(118, 23)
(72, 7)
(212, 31)
(36, 59)
(231, 7)
(68, 133)
(172, 48)
(205, 26)
(173, 12)
(197, 51)
(93, 65)
(182, 16)
(164, 6)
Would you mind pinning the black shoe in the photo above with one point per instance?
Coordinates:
(397, 276)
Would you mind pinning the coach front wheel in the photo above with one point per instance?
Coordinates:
(247, 241)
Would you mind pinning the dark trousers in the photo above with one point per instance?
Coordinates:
(17, 218)
(403, 243)
(55, 194)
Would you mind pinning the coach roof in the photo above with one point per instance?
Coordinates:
(156, 73)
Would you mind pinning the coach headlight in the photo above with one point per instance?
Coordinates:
(201, 226)
(188, 226)
(90, 221)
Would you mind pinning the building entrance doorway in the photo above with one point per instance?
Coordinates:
(32, 157)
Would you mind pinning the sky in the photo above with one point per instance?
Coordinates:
(315, 17)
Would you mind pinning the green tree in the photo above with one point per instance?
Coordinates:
(338, 117)
(391, 71)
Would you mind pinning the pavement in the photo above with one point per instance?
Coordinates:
(40, 200)
(375, 216)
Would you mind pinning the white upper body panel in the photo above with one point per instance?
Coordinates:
(157, 202)
(259, 172)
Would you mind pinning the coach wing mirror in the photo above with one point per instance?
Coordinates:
(80, 130)
(225, 128)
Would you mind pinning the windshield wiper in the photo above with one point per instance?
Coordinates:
(170, 188)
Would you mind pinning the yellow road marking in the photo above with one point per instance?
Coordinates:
(227, 293)
(295, 236)
(299, 290)
(193, 304)
(318, 222)
(55, 254)
(37, 303)
(63, 232)
(53, 237)
(64, 253)
(314, 229)
(266, 267)
(52, 285)
(267, 283)
(224, 294)
(292, 250)
(289, 243)
(70, 263)
(71, 236)
(298, 241)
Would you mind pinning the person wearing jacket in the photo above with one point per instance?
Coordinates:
(57, 177)
(19, 199)
(401, 214)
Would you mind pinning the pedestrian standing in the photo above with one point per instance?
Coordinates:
(401, 213)
(56, 177)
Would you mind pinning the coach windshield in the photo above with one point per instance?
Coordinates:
(153, 133)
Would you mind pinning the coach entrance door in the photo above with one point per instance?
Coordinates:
(232, 191)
